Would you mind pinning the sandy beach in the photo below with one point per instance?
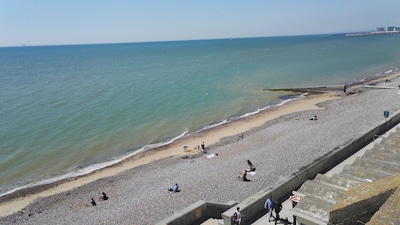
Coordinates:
(279, 141)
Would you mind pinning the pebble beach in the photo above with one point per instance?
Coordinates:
(278, 147)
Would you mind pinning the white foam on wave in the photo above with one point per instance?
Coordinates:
(254, 112)
(389, 71)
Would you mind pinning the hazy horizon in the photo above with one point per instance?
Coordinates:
(44, 22)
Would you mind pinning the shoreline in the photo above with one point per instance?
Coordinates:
(18, 200)
(15, 201)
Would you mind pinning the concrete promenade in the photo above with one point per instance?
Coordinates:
(285, 213)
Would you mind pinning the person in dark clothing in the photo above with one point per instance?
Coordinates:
(278, 209)
(103, 196)
(93, 202)
(251, 168)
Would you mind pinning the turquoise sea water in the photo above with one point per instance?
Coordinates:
(66, 110)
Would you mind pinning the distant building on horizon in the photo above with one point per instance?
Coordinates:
(378, 31)
(389, 29)
(393, 29)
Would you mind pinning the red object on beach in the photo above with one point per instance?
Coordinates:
(294, 198)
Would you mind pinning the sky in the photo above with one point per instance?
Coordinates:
(64, 22)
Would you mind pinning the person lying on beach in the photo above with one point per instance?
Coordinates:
(174, 189)
(314, 117)
(103, 196)
(251, 168)
(186, 148)
(242, 176)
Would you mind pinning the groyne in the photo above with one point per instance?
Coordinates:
(315, 89)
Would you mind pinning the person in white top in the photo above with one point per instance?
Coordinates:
(237, 216)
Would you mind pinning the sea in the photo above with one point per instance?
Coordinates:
(69, 110)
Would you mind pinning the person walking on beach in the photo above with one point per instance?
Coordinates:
(269, 205)
(203, 147)
(237, 216)
(278, 209)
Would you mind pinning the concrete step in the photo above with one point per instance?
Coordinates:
(329, 181)
(386, 148)
(313, 207)
(349, 176)
(321, 190)
(363, 173)
(395, 135)
(378, 165)
(390, 141)
(388, 157)
(338, 181)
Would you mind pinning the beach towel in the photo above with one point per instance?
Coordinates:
(211, 156)
(252, 173)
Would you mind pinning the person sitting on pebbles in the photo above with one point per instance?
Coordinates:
(243, 176)
(251, 168)
(93, 202)
(174, 189)
(103, 196)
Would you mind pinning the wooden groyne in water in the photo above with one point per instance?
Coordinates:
(316, 89)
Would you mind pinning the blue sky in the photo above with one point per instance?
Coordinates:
(54, 22)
